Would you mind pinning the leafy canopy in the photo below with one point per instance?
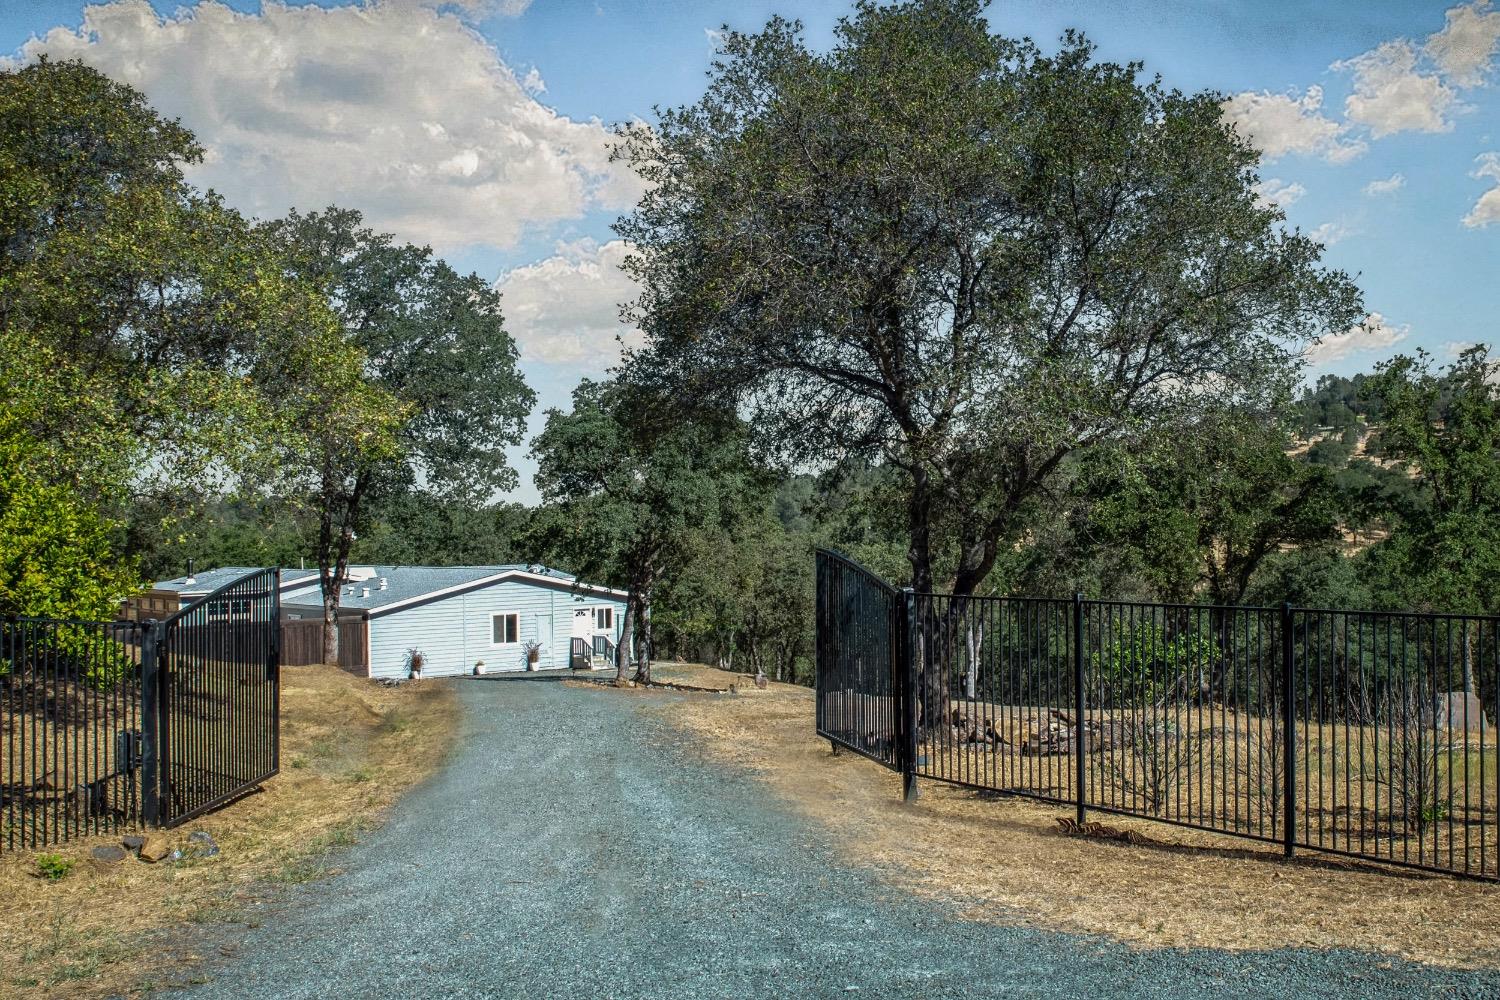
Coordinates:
(948, 252)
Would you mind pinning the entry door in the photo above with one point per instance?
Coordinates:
(544, 637)
(583, 623)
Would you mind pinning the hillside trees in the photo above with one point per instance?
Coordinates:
(1444, 428)
(948, 253)
(442, 396)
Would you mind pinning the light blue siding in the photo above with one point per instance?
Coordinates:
(455, 631)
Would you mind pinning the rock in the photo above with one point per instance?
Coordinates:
(156, 847)
(109, 853)
(200, 845)
(132, 841)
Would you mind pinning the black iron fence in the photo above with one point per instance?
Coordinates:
(1359, 733)
(120, 725)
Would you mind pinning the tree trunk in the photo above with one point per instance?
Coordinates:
(643, 670)
(1468, 650)
(976, 648)
(627, 637)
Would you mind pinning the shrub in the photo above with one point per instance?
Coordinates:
(53, 867)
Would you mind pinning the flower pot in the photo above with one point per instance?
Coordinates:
(479, 668)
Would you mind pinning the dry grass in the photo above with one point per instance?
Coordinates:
(349, 748)
(1003, 860)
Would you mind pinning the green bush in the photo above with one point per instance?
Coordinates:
(1147, 660)
(53, 867)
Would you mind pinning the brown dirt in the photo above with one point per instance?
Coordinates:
(1009, 862)
(349, 748)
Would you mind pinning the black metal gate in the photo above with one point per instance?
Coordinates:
(861, 702)
(215, 705)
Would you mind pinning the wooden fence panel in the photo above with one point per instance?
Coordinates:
(302, 644)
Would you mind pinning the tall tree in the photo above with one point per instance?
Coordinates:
(1444, 429)
(949, 252)
(624, 494)
(151, 341)
(435, 347)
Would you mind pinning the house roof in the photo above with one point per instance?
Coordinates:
(211, 580)
(405, 585)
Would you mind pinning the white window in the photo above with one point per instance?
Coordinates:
(505, 629)
(604, 619)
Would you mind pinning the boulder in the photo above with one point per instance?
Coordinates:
(132, 841)
(156, 847)
(108, 853)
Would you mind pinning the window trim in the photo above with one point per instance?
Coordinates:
(505, 614)
(608, 609)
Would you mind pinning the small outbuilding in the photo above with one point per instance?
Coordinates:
(505, 617)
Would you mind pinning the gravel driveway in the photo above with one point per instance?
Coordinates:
(576, 847)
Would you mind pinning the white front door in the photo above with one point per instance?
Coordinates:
(544, 637)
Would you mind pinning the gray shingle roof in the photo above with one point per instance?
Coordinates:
(406, 583)
(213, 579)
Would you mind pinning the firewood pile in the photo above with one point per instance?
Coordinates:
(1060, 735)
(971, 729)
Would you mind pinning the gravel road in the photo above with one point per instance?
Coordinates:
(576, 847)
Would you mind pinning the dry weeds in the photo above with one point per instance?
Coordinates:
(349, 748)
(1004, 860)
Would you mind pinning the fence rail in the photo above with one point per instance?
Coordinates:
(108, 726)
(1359, 733)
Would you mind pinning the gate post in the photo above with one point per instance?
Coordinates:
(150, 726)
(1288, 736)
(910, 694)
(1080, 732)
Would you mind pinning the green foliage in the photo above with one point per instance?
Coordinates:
(954, 256)
(1147, 661)
(157, 352)
(1206, 507)
(53, 867)
(57, 556)
(1443, 429)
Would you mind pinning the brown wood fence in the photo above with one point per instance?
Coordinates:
(302, 644)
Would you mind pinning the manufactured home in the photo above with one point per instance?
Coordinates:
(460, 616)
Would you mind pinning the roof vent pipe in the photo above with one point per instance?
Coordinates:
(364, 592)
(382, 583)
(191, 579)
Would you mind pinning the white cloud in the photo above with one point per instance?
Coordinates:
(1330, 233)
(1391, 95)
(1390, 185)
(566, 309)
(1371, 335)
(1463, 49)
(1278, 124)
(1487, 209)
(1275, 191)
(397, 109)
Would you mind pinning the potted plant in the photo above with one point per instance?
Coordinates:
(478, 668)
(533, 655)
(414, 663)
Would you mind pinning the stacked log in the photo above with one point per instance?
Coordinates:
(1059, 737)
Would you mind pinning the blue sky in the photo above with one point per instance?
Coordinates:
(479, 126)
